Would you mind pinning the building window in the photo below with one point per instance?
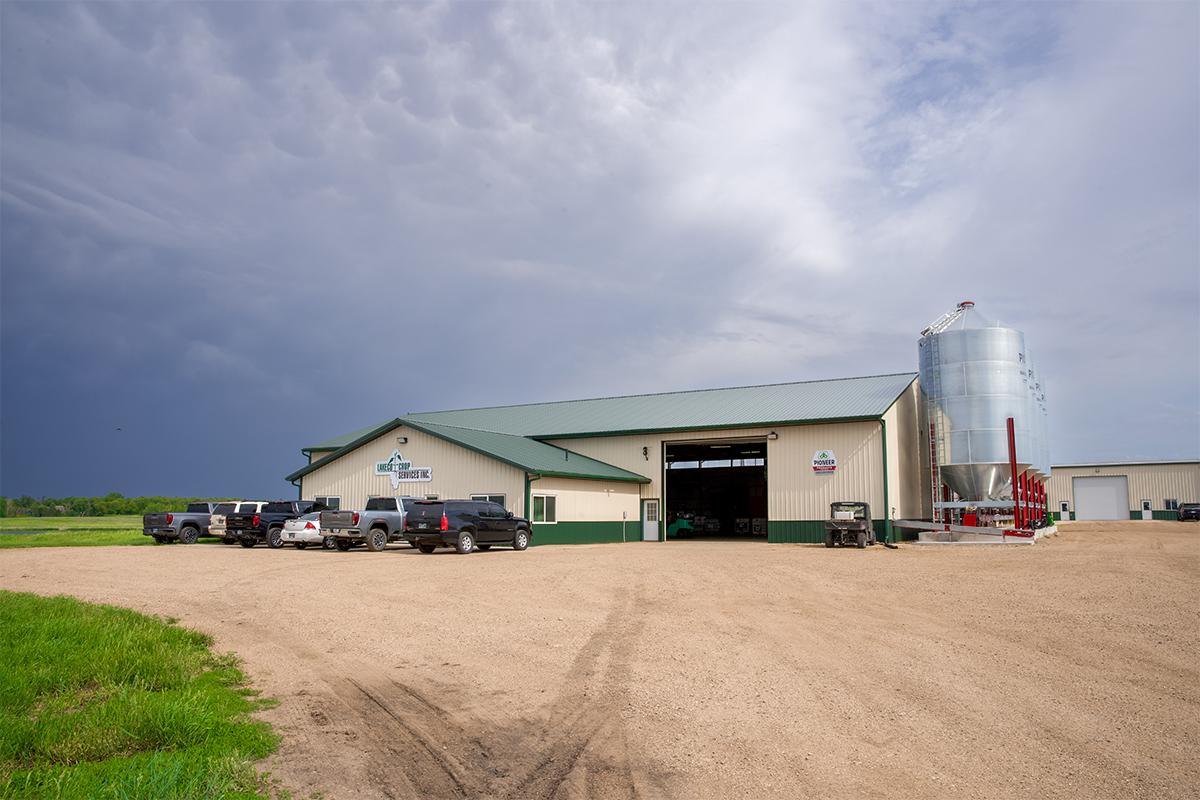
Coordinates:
(543, 508)
(332, 503)
(491, 498)
(1171, 505)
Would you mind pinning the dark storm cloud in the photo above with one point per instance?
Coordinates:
(236, 229)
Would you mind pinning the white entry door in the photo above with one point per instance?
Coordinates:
(650, 521)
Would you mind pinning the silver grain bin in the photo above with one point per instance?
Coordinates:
(974, 376)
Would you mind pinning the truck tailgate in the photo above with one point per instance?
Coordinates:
(338, 520)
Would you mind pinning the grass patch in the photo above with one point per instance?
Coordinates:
(102, 702)
(73, 532)
(70, 523)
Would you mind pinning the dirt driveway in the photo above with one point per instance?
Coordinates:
(700, 669)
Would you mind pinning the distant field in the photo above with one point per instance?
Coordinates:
(70, 523)
(72, 531)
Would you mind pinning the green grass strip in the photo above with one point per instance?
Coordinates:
(98, 701)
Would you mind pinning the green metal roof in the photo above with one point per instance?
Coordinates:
(511, 434)
(811, 401)
(527, 454)
(365, 434)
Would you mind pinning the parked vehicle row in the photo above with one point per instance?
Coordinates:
(266, 525)
(465, 525)
(382, 521)
(186, 526)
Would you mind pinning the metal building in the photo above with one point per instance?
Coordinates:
(1123, 490)
(749, 461)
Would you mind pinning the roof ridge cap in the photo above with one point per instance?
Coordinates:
(656, 394)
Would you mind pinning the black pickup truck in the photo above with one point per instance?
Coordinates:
(267, 525)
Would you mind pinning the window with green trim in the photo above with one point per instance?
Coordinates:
(544, 508)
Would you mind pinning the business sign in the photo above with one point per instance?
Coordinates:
(401, 471)
(824, 461)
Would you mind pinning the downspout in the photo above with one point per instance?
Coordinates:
(299, 490)
(528, 508)
(887, 509)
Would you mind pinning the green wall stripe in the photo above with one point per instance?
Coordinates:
(585, 532)
(810, 531)
(778, 532)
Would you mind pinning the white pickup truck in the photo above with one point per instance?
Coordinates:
(381, 522)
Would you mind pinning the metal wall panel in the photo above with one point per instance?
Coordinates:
(457, 473)
(591, 501)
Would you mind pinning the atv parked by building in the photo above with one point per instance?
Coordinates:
(849, 523)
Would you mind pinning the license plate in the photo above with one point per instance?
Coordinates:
(154, 530)
(291, 534)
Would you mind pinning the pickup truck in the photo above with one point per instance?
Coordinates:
(216, 524)
(267, 525)
(381, 522)
(186, 526)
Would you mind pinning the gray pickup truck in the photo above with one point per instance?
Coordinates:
(186, 526)
(381, 522)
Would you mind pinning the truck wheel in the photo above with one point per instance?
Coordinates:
(466, 543)
(521, 539)
(829, 538)
(862, 540)
(328, 543)
(275, 538)
(188, 536)
(425, 548)
(247, 541)
(342, 545)
(377, 540)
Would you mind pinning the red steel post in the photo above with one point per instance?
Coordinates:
(1016, 481)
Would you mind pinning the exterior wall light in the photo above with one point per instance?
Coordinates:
(401, 440)
(772, 436)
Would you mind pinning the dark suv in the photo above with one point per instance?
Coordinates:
(464, 525)
(1189, 511)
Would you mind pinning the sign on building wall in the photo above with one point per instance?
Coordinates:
(824, 461)
(402, 471)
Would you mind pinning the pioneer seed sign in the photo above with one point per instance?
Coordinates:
(824, 461)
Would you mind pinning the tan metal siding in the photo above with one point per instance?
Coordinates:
(908, 488)
(457, 473)
(1153, 482)
(795, 492)
(591, 501)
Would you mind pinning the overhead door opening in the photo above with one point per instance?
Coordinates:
(716, 489)
(1103, 497)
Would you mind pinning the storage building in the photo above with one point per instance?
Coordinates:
(1123, 489)
(756, 460)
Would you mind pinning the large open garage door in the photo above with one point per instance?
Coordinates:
(1105, 497)
(716, 489)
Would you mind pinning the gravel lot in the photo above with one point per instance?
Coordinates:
(700, 669)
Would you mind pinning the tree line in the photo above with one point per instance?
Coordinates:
(114, 504)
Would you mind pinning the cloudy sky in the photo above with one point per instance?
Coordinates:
(232, 230)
